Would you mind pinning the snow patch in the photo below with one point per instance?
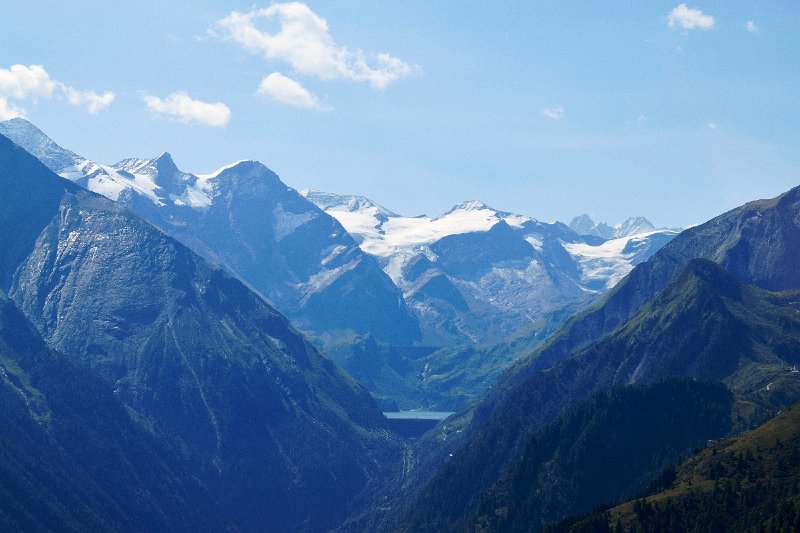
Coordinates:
(333, 254)
(286, 222)
(204, 178)
(110, 182)
(324, 278)
(609, 262)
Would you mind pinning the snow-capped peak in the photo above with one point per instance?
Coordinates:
(131, 164)
(633, 226)
(164, 164)
(33, 140)
(584, 225)
(469, 205)
(345, 202)
(383, 233)
(474, 214)
(205, 177)
(158, 166)
(21, 128)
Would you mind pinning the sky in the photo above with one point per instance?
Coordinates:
(675, 111)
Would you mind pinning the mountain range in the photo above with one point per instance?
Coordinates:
(494, 283)
(151, 380)
(478, 273)
(584, 225)
(732, 318)
(244, 218)
(465, 286)
(471, 275)
(273, 430)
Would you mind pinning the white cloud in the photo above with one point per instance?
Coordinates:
(21, 83)
(185, 109)
(712, 125)
(689, 18)
(8, 111)
(278, 87)
(553, 113)
(32, 82)
(751, 26)
(94, 102)
(304, 42)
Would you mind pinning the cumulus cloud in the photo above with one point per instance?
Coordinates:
(689, 18)
(751, 26)
(553, 113)
(93, 102)
(181, 107)
(304, 42)
(278, 87)
(21, 83)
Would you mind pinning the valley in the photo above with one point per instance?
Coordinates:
(399, 267)
(615, 334)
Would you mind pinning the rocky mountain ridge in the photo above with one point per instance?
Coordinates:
(484, 273)
(243, 217)
(282, 438)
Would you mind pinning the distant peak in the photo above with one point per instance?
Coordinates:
(469, 205)
(642, 221)
(243, 174)
(36, 142)
(633, 226)
(343, 202)
(19, 121)
(20, 126)
(584, 225)
(164, 164)
(582, 219)
(242, 165)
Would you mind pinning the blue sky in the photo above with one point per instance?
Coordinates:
(673, 111)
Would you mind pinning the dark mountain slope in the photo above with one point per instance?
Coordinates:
(771, 263)
(759, 242)
(705, 324)
(72, 458)
(605, 449)
(746, 483)
(287, 439)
